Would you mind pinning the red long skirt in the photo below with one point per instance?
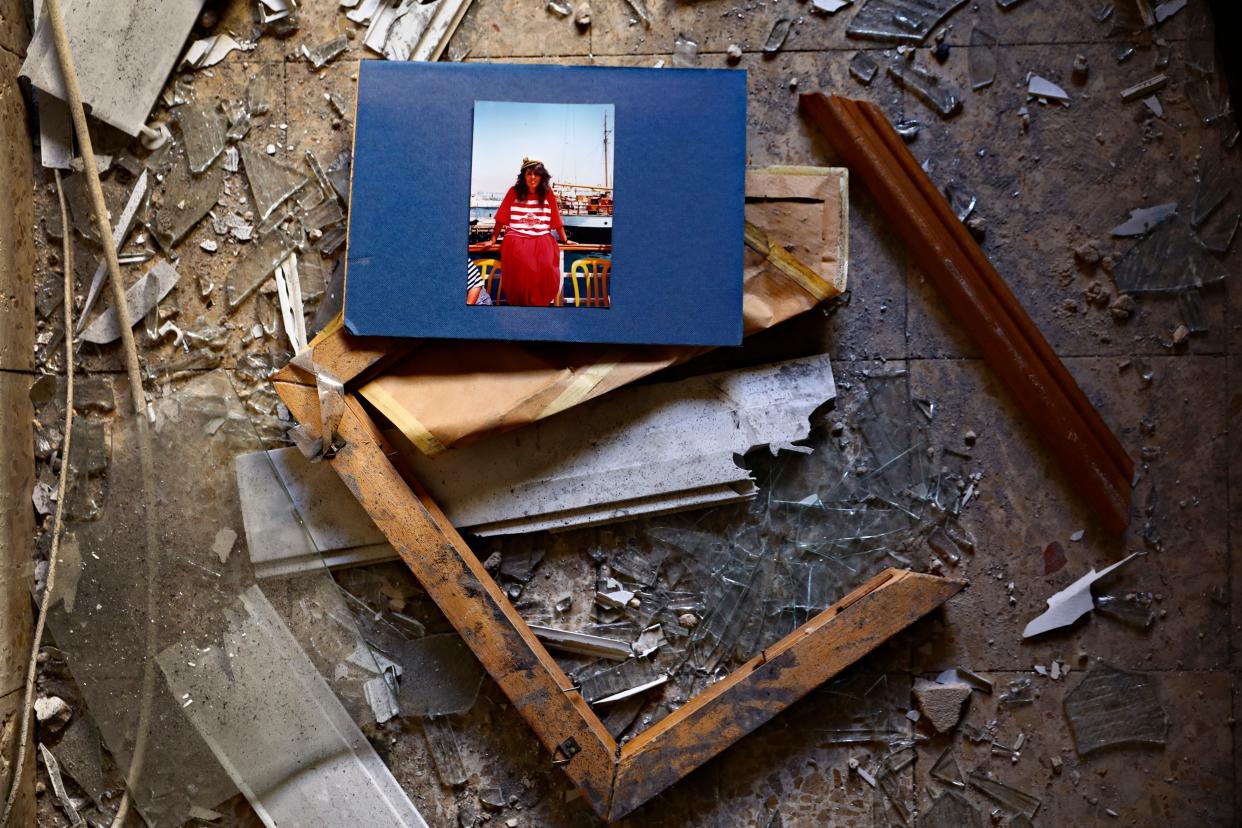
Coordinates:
(529, 269)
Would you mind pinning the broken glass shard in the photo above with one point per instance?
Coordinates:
(1125, 609)
(639, 7)
(950, 810)
(1007, 4)
(338, 174)
(559, 8)
(1167, 260)
(899, 21)
(830, 6)
(239, 125)
(1143, 219)
(1212, 187)
(120, 230)
(946, 769)
(271, 182)
(182, 199)
(1216, 234)
(685, 52)
(960, 201)
(1193, 315)
(1168, 8)
(1044, 89)
(323, 54)
(863, 67)
(253, 268)
(440, 676)
(1131, 17)
(925, 86)
(58, 787)
(1011, 799)
(260, 91)
(1114, 707)
(776, 37)
(445, 754)
(981, 60)
(1144, 88)
(1200, 43)
(203, 128)
(276, 726)
(622, 681)
(141, 297)
(80, 754)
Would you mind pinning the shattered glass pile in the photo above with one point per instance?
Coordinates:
(696, 594)
(200, 679)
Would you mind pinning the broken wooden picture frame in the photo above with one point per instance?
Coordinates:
(614, 779)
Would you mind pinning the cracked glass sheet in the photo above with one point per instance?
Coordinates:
(203, 127)
(271, 182)
(925, 86)
(899, 21)
(733, 579)
(182, 199)
(1009, 798)
(981, 59)
(124, 596)
(1169, 259)
(1114, 707)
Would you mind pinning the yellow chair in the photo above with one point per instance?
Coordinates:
(490, 268)
(595, 271)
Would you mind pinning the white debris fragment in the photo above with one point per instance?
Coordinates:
(209, 245)
(52, 711)
(829, 6)
(1038, 87)
(211, 50)
(1071, 603)
(222, 546)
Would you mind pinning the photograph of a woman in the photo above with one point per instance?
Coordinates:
(529, 256)
(539, 241)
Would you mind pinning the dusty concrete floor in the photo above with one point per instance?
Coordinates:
(1041, 192)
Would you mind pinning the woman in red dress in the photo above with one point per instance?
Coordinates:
(530, 261)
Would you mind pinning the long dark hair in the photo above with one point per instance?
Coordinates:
(541, 191)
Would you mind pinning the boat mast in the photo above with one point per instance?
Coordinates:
(605, 150)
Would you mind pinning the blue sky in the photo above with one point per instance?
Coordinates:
(567, 138)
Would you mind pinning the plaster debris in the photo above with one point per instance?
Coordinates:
(211, 50)
(1071, 603)
(1114, 707)
(52, 712)
(140, 298)
(941, 703)
(222, 546)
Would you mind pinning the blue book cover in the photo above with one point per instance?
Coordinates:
(558, 203)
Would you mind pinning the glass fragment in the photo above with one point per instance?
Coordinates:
(1193, 315)
(559, 8)
(777, 35)
(271, 182)
(1128, 610)
(613, 681)
(261, 90)
(254, 267)
(326, 52)
(685, 52)
(1217, 233)
(950, 810)
(1012, 799)
(981, 61)
(960, 201)
(1167, 260)
(896, 21)
(1114, 707)
(1143, 219)
(863, 67)
(440, 676)
(946, 769)
(445, 754)
(181, 200)
(203, 133)
(926, 87)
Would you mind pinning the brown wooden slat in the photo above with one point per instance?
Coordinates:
(773, 680)
(471, 600)
(1006, 346)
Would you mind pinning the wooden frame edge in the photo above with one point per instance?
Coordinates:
(614, 781)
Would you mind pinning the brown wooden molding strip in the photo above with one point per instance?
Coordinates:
(345, 356)
(468, 596)
(614, 782)
(975, 294)
(773, 680)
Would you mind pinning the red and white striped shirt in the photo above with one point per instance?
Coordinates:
(529, 217)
